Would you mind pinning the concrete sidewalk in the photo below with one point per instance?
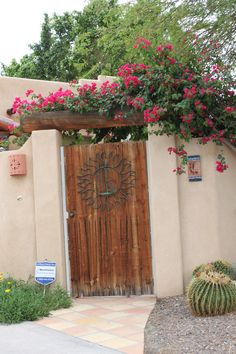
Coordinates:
(31, 338)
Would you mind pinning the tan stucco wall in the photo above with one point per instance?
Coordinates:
(191, 222)
(17, 222)
(48, 199)
(164, 218)
(31, 226)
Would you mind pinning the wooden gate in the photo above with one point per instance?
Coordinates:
(108, 224)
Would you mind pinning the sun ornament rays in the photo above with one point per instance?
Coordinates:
(107, 181)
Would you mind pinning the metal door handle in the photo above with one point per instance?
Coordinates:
(71, 214)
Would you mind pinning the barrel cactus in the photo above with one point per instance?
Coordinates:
(219, 266)
(203, 268)
(224, 267)
(211, 293)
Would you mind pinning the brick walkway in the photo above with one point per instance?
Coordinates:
(114, 322)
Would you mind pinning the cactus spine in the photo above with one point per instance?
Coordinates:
(219, 266)
(224, 267)
(211, 293)
(203, 268)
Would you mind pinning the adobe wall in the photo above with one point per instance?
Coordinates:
(17, 225)
(31, 226)
(191, 222)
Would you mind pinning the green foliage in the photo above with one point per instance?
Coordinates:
(20, 140)
(211, 293)
(4, 143)
(100, 38)
(194, 100)
(213, 18)
(219, 266)
(26, 301)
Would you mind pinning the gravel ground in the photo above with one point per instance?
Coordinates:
(172, 329)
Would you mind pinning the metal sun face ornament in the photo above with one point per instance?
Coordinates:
(106, 182)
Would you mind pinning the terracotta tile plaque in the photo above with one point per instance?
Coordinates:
(17, 164)
(194, 168)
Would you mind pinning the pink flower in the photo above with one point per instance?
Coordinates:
(229, 109)
(28, 92)
(136, 102)
(169, 46)
(193, 90)
(11, 127)
(152, 115)
(131, 80)
(187, 118)
(209, 122)
(119, 116)
(171, 60)
(143, 42)
(220, 167)
(204, 140)
(179, 170)
(159, 48)
(172, 149)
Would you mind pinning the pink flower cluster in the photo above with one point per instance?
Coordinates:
(119, 116)
(142, 42)
(178, 151)
(220, 167)
(82, 90)
(152, 115)
(39, 102)
(162, 47)
(109, 87)
(230, 109)
(128, 69)
(187, 118)
(197, 98)
(137, 102)
(190, 92)
(132, 81)
(179, 170)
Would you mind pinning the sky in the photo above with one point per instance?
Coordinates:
(21, 20)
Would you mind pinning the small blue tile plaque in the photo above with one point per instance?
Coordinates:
(194, 168)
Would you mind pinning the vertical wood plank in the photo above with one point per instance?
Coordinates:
(110, 249)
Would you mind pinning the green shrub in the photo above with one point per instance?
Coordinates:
(27, 301)
(219, 266)
(211, 293)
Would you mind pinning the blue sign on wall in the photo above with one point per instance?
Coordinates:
(45, 272)
(194, 168)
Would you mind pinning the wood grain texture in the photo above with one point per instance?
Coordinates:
(110, 249)
(65, 120)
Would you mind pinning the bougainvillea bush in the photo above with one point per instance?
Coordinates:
(193, 100)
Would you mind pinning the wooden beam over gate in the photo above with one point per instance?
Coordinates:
(65, 120)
